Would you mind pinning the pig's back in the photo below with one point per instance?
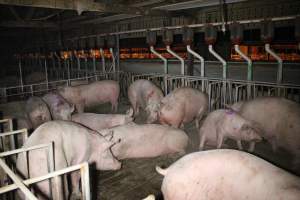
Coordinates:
(227, 175)
(94, 121)
(284, 113)
(148, 139)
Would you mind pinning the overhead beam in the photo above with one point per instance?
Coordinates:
(29, 13)
(83, 5)
(28, 24)
(15, 14)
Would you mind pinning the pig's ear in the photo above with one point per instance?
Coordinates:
(245, 127)
(72, 108)
(150, 94)
(129, 112)
(109, 136)
(109, 144)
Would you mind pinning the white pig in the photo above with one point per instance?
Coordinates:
(102, 121)
(59, 108)
(279, 119)
(37, 111)
(183, 105)
(143, 93)
(227, 175)
(73, 144)
(96, 93)
(226, 123)
(148, 140)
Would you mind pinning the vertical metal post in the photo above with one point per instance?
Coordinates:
(224, 64)
(165, 67)
(94, 63)
(202, 69)
(85, 181)
(17, 181)
(46, 73)
(113, 59)
(103, 60)
(249, 71)
(21, 75)
(279, 60)
(68, 69)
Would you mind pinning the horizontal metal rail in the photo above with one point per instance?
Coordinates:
(83, 167)
(17, 181)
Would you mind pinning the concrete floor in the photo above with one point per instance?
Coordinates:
(138, 177)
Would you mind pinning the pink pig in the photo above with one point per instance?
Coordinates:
(227, 175)
(183, 105)
(143, 93)
(92, 94)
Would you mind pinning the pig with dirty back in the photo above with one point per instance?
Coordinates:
(183, 105)
(146, 95)
(37, 111)
(59, 108)
(227, 175)
(102, 121)
(73, 144)
(147, 140)
(96, 93)
(279, 119)
(226, 123)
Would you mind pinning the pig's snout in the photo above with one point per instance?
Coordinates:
(117, 165)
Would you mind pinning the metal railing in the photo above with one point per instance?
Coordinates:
(23, 185)
(220, 91)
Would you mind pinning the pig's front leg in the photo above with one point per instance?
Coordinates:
(80, 107)
(274, 144)
(202, 142)
(75, 179)
(251, 146)
(239, 144)
(220, 139)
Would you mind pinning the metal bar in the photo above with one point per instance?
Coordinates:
(199, 57)
(85, 181)
(249, 62)
(51, 175)
(202, 69)
(292, 17)
(21, 74)
(17, 181)
(46, 73)
(103, 60)
(113, 59)
(217, 56)
(24, 130)
(279, 60)
(161, 57)
(178, 57)
(40, 146)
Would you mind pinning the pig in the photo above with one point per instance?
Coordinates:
(37, 111)
(59, 108)
(183, 105)
(96, 93)
(279, 119)
(102, 121)
(228, 175)
(148, 140)
(226, 123)
(73, 144)
(23, 122)
(143, 93)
